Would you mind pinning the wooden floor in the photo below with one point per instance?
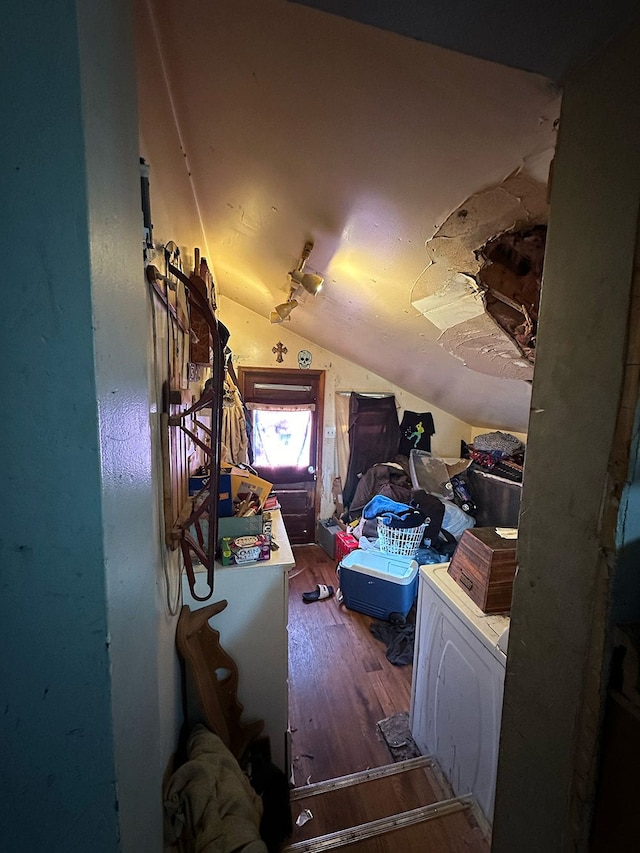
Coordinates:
(340, 686)
(340, 682)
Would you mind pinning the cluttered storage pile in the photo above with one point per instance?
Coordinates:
(498, 452)
(482, 487)
(413, 511)
(409, 494)
(396, 522)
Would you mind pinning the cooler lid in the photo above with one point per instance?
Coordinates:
(388, 567)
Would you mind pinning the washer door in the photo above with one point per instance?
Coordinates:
(458, 701)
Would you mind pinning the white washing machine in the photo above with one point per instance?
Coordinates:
(458, 678)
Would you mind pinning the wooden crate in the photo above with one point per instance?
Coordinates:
(484, 565)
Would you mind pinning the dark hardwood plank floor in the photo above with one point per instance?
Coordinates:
(340, 682)
(451, 834)
(367, 801)
(340, 685)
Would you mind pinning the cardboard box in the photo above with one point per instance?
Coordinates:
(196, 483)
(225, 503)
(244, 484)
(245, 549)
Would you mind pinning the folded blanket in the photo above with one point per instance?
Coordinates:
(504, 442)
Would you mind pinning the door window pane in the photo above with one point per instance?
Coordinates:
(281, 439)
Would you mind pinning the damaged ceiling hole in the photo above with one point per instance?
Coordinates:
(511, 276)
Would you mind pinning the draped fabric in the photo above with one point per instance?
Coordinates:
(374, 435)
(248, 426)
(234, 427)
(342, 436)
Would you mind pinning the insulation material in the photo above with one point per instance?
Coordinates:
(512, 277)
(448, 293)
(460, 299)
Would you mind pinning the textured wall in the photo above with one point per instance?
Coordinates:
(87, 676)
(56, 729)
(558, 627)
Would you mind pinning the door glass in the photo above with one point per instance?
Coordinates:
(281, 438)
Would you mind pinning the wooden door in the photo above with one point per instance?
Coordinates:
(286, 409)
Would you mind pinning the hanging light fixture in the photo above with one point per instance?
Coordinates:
(311, 282)
(282, 312)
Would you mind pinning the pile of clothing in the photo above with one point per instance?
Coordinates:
(385, 492)
(499, 452)
(389, 479)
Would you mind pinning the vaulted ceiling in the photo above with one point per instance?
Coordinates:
(268, 123)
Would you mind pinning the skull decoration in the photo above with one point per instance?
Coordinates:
(304, 359)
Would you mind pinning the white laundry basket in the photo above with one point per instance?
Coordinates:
(400, 540)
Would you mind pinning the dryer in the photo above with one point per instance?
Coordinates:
(458, 678)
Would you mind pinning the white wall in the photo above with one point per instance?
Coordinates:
(252, 340)
(145, 701)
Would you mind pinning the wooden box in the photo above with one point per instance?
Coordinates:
(484, 565)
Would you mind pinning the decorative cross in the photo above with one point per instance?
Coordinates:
(281, 350)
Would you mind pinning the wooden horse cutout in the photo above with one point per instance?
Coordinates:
(214, 676)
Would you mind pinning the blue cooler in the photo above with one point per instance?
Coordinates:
(377, 583)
